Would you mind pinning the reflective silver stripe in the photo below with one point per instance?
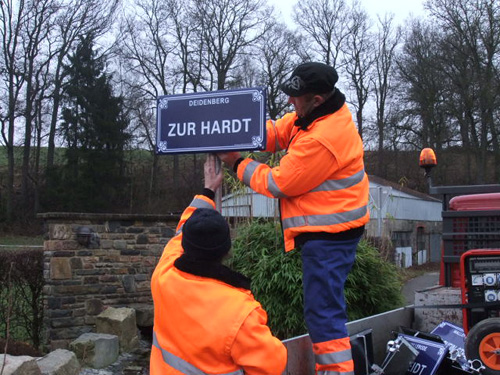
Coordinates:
(196, 203)
(249, 171)
(344, 183)
(333, 357)
(273, 188)
(329, 372)
(181, 365)
(200, 203)
(328, 219)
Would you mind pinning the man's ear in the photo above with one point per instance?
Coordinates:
(318, 100)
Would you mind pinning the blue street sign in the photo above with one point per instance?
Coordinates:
(452, 335)
(430, 356)
(454, 339)
(225, 120)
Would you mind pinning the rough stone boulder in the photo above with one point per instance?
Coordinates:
(19, 365)
(144, 314)
(96, 350)
(59, 362)
(120, 322)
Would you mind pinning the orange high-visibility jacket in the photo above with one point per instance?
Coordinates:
(206, 326)
(321, 180)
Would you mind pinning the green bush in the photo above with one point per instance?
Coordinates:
(276, 277)
(21, 299)
(372, 287)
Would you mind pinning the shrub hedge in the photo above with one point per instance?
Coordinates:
(373, 286)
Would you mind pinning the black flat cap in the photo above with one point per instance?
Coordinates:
(310, 77)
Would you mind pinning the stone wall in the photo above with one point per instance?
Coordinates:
(93, 261)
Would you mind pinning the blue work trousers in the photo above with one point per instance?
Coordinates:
(325, 266)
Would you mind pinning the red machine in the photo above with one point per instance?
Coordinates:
(472, 222)
(471, 261)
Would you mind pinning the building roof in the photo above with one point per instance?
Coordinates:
(381, 181)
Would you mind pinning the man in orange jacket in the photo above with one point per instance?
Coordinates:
(206, 320)
(323, 192)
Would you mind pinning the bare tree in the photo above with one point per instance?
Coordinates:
(147, 48)
(36, 30)
(473, 48)
(189, 49)
(388, 38)
(358, 59)
(12, 19)
(425, 88)
(156, 46)
(277, 54)
(324, 22)
(226, 29)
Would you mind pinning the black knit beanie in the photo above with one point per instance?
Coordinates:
(205, 235)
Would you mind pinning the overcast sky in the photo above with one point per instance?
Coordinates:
(400, 8)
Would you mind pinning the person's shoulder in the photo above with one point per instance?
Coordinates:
(288, 118)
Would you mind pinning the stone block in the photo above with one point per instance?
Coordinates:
(60, 232)
(94, 306)
(90, 280)
(154, 240)
(108, 289)
(51, 245)
(58, 344)
(53, 303)
(19, 365)
(71, 245)
(135, 230)
(60, 268)
(76, 263)
(108, 279)
(130, 252)
(144, 314)
(76, 289)
(142, 239)
(167, 232)
(106, 244)
(96, 350)
(122, 323)
(120, 244)
(129, 284)
(66, 322)
(59, 362)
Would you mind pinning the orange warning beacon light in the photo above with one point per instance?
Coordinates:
(427, 160)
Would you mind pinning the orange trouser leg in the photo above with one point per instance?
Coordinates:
(334, 357)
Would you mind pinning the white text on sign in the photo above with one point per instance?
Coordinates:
(181, 129)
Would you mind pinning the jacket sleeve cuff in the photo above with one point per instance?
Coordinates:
(208, 193)
(236, 164)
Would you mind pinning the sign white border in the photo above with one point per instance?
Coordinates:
(257, 142)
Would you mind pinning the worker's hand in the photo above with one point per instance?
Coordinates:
(213, 172)
(229, 158)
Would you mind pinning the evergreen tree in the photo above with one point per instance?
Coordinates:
(94, 129)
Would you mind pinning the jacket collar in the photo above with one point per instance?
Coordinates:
(213, 270)
(331, 105)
